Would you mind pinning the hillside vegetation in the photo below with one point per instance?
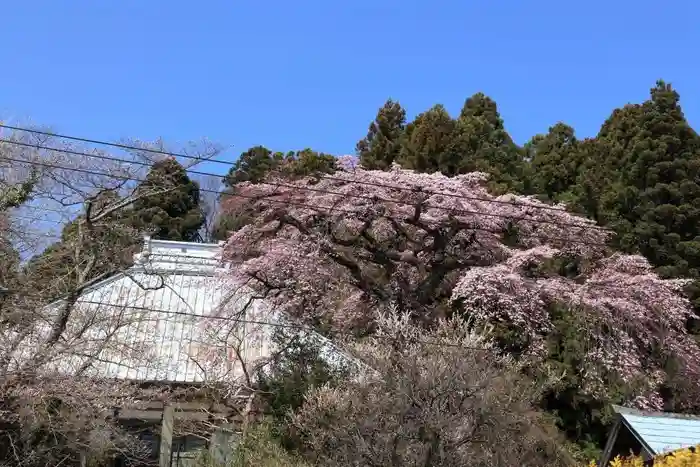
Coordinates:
(579, 256)
(502, 296)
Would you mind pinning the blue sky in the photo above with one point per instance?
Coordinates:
(290, 75)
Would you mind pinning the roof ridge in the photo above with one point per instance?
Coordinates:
(651, 413)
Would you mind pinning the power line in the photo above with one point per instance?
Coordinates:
(289, 257)
(270, 323)
(99, 156)
(317, 190)
(282, 325)
(112, 144)
(300, 327)
(155, 271)
(308, 206)
(327, 177)
(276, 324)
(38, 219)
(475, 228)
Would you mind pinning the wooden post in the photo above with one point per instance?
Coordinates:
(166, 437)
(225, 439)
(246, 413)
(222, 444)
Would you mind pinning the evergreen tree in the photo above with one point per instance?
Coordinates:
(435, 142)
(382, 145)
(288, 377)
(253, 165)
(12, 195)
(481, 143)
(640, 176)
(555, 159)
(306, 163)
(594, 174)
(85, 253)
(481, 106)
(427, 141)
(654, 200)
(173, 211)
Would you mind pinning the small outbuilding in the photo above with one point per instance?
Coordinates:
(649, 434)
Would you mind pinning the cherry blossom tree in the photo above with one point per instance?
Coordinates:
(395, 235)
(331, 249)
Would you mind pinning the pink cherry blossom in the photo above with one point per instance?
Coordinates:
(329, 250)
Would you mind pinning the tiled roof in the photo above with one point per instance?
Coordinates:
(663, 432)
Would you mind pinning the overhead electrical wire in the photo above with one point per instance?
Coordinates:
(229, 163)
(108, 143)
(286, 185)
(283, 325)
(224, 193)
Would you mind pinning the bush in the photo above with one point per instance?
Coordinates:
(681, 458)
(257, 449)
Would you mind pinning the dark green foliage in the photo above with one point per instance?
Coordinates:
(9, 265)
(381, 146)
(640, 176)
(286, 380)
(84, 252)
(586, 195)
(583, 418)
(427, 141)
(230, 223)
(481, 106)
(555, 159)
(258, 162)
(306, 163)
(481, 143)
(654, 202)
(169, 206)
(12, 196)
(435, 142)
(253, 166)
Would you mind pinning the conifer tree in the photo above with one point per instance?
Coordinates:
(175, 214)
(481, 143)
(382, 145)
(253, 165)
(427, 141)
(555, 160)
(653, 200)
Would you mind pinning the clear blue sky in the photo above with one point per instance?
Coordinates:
(312, 73)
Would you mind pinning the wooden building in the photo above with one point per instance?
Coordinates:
(175, 319)
(649, 434)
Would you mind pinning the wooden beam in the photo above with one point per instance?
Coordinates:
(166, 438)
(187, 406)
(247, 413)
(612, 437)
(194, 415)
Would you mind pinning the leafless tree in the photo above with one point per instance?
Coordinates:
(54, 404)
(210, 200)
(442, 398)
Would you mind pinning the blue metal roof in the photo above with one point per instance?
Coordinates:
(662, 432)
